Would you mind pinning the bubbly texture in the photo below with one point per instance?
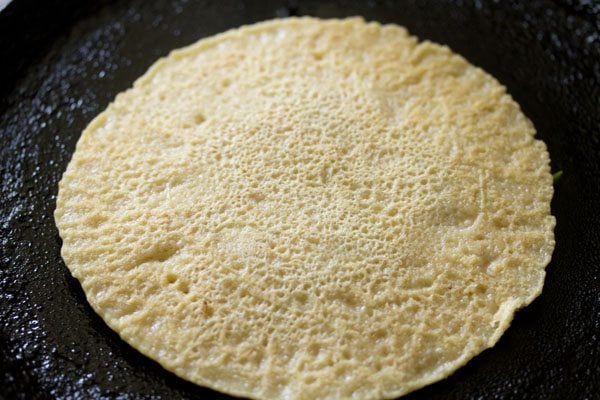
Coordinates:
(309, 209)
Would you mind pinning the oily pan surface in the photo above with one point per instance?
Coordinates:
(306, 208)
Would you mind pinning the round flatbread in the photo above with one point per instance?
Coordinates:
(306, 208)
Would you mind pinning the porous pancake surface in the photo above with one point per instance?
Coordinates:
(309, 209)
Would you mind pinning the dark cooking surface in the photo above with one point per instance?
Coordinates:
(63, 61)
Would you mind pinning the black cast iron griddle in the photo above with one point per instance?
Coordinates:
(63, 61)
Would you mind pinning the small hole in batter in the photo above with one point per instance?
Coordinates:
(199, 118)
(183, 287)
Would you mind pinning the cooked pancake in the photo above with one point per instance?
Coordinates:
(309, 209)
